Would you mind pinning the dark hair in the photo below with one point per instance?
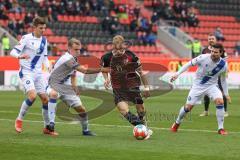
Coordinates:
(220, 47)
(38, 20)
(211, 34)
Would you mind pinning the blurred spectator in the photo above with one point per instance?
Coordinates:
(5, 41)
(84, 50)
(106, 24)
(192, 19)
(196, 48)
(134, 24)
(19, 25)
(28, 18)
(12, 26)
(189, 45)
(114, 26)
(137, 10)
(151, 39)
(218, 34)
(154, 17)
(237, 49)
(16, 8)
(3, 13)
(54, 50)
(142, 38)
(144, 25)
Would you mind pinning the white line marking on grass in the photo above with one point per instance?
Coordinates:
(17, 113)
(122, 126)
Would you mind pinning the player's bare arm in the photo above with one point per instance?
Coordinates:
(145, 82)
(86, 70)
(107, 82)
(74, 84)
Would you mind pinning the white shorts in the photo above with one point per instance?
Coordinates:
(70, 100)
(33, 81)
(196, 93)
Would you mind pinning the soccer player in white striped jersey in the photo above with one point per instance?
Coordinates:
(32, 53)
(210, 67)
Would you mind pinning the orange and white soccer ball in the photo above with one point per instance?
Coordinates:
(140, 132)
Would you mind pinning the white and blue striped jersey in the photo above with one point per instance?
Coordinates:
(208, 71)
(36, 48)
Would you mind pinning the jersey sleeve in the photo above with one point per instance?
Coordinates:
(72, 63)
(198, 60)
(105, 61)
(135, 59)
(45, 52)
(22, 43)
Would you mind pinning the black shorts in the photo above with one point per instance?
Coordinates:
(130, 95)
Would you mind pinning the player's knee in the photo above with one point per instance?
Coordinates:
(32, 96)
(53, 94)
(188, 107)
(80, 109)
(44, 99)
(219, 101)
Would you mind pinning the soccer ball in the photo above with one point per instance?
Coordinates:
(140, 132)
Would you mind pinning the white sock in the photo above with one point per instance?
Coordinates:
(84, 121)
(52, 109)
(45, 115)
(181, 115)
(220, 116)
(24, 108)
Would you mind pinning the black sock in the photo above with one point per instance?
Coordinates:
(141, 116)
(133, 119)
(225, 103)
(206, 102)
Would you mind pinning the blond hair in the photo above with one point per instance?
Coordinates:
(118, 41)
(73, 41)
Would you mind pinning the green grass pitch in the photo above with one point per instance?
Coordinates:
(197, 139)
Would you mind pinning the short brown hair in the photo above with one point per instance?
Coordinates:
(73, 41)
(219, 46)
(38, 21)
(211, 34)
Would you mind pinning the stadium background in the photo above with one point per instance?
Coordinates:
(159, 29)
(158, 38)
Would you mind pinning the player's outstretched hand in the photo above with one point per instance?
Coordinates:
(105, 70)
(173, 78)
(107, 84)
(146, 93)
(229, 99)
(24, 56)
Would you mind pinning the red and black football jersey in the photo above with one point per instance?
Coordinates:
(123, 69)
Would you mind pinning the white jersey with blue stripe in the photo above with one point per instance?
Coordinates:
(208, 71)
(36, 48)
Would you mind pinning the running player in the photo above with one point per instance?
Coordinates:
(32, 52)
(125, 77)
(62, 84)
(211, 41)
(210, 66)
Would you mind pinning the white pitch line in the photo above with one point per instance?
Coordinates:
(17, 113)
(122, 126)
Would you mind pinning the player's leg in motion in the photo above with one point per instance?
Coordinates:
(183, 111)
(52, 104)
(225, 106)
(141, 113)
(220, 115)
(27, 103)
(124, 110)
(206, 106)
(83, 118)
